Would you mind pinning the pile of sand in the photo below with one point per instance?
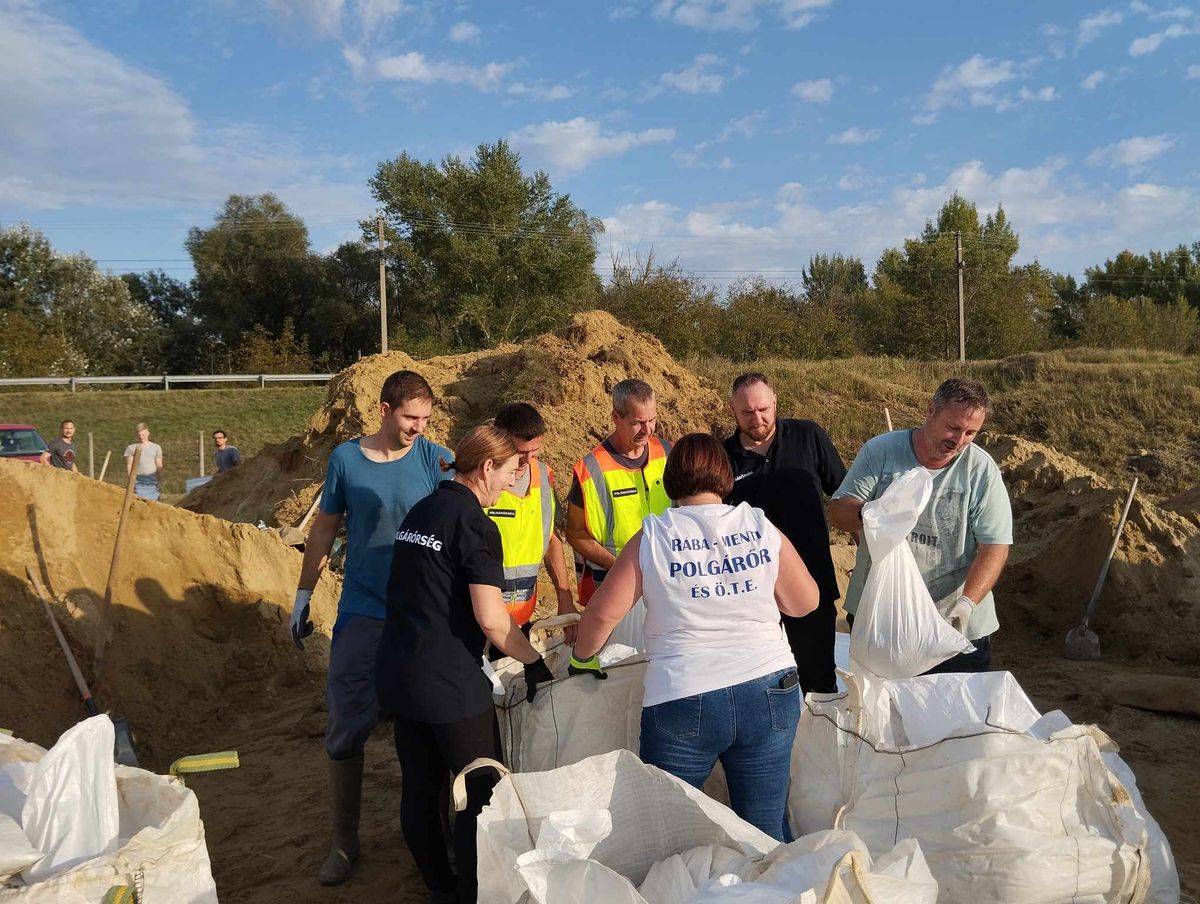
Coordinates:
(198, 624)
(568, 375)
(1065, 516)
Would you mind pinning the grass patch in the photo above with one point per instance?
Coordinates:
(250, 417)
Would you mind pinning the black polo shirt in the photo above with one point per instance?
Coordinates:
(789, 484)
(428, 667)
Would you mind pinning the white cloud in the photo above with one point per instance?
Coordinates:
(738, 15)
(572, 145)
(415, 67)
(742, 126)
(332, 18)
(539, 91)
(1151, 42)
(373, 13)
(977, 81)
(1090, 27)
(1173, 12)
(816, 91)
(698, 78)
(144, 145)
(856, 135)
(1131, 152)
(464, 33)
(1092, 82)
(1193, 71)
(726, 163)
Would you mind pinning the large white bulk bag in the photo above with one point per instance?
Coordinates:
(1007, 808)
(159, 849)
(636, 835)
(898, 631)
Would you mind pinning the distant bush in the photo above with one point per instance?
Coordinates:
(1111, 322)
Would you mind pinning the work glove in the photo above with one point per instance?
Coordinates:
(960, 614)
(300, 625)
(587, 667)
(536, 673)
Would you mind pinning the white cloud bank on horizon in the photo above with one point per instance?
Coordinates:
(575, 144)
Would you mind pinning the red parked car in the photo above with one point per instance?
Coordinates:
(22, 442)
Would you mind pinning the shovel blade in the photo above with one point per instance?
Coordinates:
(124, 750)
(1082, 644)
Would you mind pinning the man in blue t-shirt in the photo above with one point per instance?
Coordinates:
(372, 482)
(962, 537)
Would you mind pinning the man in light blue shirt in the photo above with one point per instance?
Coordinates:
(372, 482)
(962, 538)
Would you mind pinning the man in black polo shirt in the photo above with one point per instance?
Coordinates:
(783, 466)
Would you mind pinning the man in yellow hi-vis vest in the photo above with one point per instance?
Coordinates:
(524, 515)
(616, 485)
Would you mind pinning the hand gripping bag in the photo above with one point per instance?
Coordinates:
(898, 631)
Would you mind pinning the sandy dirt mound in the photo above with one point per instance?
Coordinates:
(198, 621)
(1065, 516)
(567, 374)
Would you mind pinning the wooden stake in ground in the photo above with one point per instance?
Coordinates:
(102, 623)
(107, 456)
(91, 458)
(202, 472)
(887, 418)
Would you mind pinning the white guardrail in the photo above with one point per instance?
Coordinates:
(167, 380)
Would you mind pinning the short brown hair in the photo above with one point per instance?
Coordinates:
(748, 379)
(404, 386)
(961, 391)
(479, 445)
(698, 464)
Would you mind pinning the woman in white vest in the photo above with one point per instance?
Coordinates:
(721, 683)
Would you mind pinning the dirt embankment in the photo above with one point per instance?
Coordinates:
(198, 622)
(568, 375)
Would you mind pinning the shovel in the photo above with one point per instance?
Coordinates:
(1082, 642)
(124, 751)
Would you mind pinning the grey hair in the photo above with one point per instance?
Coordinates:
(961, 391)
(630, 391)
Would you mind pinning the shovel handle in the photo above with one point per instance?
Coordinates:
(1112, 550)
(84, 693)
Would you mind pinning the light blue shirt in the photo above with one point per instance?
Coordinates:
(969, 506)
(375, 496)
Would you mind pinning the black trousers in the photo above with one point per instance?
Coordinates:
(811, 639)
(427, 752)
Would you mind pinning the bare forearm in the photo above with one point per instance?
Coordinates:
(509, 639)
(316, 555)
(586, 546)
(594, 630)
(556, 565)
(843, 514)
(985, 571)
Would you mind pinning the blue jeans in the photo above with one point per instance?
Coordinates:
(749, 727)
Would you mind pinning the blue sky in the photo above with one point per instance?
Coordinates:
(739, 136)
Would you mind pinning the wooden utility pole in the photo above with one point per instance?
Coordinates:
(383, 339)
(962, 320)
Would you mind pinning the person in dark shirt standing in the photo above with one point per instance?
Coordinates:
(61, 452)
(226, 455)
(786, 467)
(444, 601)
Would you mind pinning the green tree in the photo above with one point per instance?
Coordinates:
(1007, 307)
(663, 301)
(262, 352)
(1161, 276)
(1112, 322)
(253, 266)
(759, 321)
(188, 345)
(479, 252)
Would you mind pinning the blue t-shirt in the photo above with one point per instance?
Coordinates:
(375, 497)
(969, 506)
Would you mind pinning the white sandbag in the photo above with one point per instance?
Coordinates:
(159, 848)
(71, 812)
(1002, 815)
(16, 853)
(898, 631)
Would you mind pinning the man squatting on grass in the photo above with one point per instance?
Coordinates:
(372, 482)
(962, 538)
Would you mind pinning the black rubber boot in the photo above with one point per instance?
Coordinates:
(345, 797)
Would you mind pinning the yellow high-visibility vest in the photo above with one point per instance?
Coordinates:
(615, 499)
(526, 524)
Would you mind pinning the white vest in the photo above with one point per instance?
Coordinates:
(708, 580)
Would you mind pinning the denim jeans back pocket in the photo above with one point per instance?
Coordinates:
(678, 719)
(785, 707)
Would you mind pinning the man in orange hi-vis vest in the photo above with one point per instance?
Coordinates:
(616, 485)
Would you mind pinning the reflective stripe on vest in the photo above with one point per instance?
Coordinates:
(616, 499)
(525, 524)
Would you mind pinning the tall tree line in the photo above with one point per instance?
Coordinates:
(477, 252)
